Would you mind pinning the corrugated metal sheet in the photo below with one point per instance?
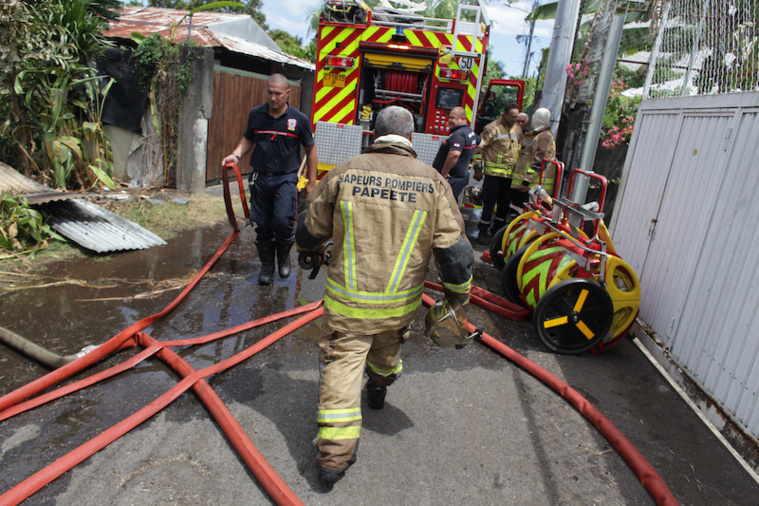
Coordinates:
(87, 224)
(150, 20)
(98, 229)
(11, 181)
(691, 178)
(239, 45)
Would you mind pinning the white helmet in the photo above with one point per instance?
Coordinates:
(541, 119)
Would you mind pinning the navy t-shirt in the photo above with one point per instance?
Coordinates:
(461, 139)
(278, 140)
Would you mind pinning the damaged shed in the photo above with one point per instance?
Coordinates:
(230, 71)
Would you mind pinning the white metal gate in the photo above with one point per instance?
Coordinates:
(687, 220)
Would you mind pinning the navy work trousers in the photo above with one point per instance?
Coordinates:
(497, 192)
(273, 206)
(457, 185)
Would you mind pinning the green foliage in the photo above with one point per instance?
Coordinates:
(620, 111)
(22, 228)
(530, 86)
(51, 93)
(166, 74)
(634, 37)
(288, 43)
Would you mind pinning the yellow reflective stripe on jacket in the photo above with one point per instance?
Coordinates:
(493, 168)
(348, 244)
(338, 415)
(353, 432)
(459, 288)
(373, 297)
(408, 246)
(385, 372)
(374, 313)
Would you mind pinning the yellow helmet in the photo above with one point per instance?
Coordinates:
(446, 325)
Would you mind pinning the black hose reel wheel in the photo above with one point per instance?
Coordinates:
(496, 248)
(509, 277)
(573, 316)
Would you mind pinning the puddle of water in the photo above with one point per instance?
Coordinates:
(67, 318)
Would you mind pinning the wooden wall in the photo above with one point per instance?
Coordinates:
(235, 93)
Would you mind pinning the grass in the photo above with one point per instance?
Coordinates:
(165, 220)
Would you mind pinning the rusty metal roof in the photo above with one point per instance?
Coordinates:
(85, 223)
(150, 20)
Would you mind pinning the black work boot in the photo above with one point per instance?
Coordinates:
(484, 238)
(329, 477)
(283, 257)
(375, 395)
(266, 254)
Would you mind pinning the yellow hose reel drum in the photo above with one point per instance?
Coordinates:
(509, 239)
(574, 311)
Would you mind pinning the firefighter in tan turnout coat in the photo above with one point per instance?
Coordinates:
(386, 213)
(536, 145)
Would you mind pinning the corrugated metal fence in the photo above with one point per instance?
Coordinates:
(687, 221)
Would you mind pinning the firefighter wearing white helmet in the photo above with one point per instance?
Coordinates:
(386, 214)
(538, 143)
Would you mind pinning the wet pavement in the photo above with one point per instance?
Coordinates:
(460, 426)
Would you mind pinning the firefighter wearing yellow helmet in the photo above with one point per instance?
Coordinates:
(386, 214)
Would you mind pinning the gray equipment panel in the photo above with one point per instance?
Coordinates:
(426, 146)
(336, 142)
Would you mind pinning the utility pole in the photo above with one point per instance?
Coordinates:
(528, 54)
(559, 55)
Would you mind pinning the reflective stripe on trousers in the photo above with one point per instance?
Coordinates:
(343, 358)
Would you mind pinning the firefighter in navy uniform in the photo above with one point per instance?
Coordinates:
(386, 213)
(275, 131)
(455, 153)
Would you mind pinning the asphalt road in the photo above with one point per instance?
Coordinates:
(459, 427)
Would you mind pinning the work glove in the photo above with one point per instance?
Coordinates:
(477, 170)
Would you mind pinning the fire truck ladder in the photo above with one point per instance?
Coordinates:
(474, 29)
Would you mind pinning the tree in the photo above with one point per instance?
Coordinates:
(49, 93)
(288, 43)
(250, 7)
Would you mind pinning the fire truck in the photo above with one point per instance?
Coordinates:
(371, 59)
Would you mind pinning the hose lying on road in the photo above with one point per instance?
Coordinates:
(37, 352)
(640, 466)
(12, 403)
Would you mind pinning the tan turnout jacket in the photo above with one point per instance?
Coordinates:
(500, 148)
(385, 212)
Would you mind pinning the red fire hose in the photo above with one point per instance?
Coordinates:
(11, 404)
(640, 466)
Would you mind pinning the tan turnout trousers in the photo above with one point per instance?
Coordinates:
(344, 357)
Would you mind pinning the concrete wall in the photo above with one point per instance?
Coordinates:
(192, 133)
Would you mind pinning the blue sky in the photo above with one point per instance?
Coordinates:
(508, 22)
